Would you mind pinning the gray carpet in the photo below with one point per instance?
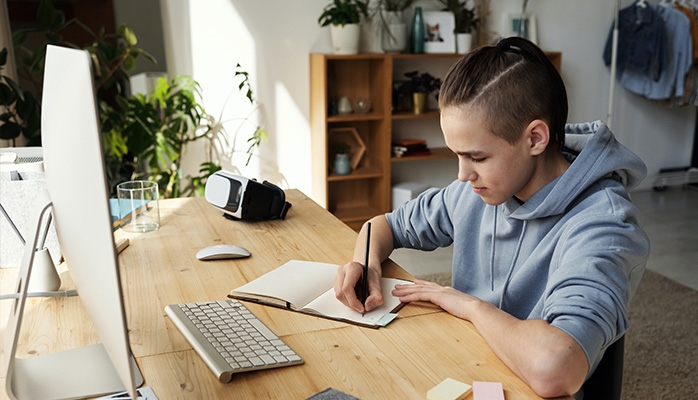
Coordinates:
(661, 348)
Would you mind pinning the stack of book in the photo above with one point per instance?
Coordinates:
(410, 147)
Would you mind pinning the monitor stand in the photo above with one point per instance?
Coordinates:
(70, 374)
(76, 373)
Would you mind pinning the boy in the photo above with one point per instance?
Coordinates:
(548, 248)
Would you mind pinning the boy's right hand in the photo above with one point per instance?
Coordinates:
(348, 281)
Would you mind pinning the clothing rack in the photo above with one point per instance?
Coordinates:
(684, 173)
(614, 54)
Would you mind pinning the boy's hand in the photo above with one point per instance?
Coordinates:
(348, 281)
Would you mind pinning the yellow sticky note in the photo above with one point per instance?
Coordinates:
(449, 389)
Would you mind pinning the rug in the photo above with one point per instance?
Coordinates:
(661, 347)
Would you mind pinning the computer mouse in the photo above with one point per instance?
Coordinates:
(222, 251)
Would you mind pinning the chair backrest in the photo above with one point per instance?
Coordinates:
(607, 380)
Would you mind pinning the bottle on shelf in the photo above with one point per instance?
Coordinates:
(418, 32)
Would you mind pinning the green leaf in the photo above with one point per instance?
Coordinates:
(130, 63)
(9, 130)
(14, 87)
(128, 35)
(29, 110)
(7, 96)
(45, 14)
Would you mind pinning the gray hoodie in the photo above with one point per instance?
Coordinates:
(573, 254)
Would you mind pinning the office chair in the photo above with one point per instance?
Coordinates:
(607, 380)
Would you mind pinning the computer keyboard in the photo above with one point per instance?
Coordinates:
(229, 338)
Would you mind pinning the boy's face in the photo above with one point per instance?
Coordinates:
(496, 170)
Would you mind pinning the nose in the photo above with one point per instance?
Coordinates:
(465, 171)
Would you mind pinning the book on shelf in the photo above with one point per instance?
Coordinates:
(410, 147)
(308, 287)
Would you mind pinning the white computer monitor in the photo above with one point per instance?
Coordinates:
(78, 198)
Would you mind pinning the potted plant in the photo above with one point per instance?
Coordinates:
(343, 17)
(419, 87)
(466, 23)
(146, 137)
(143, 136)
(387, 14)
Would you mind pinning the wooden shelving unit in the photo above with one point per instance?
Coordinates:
(365, 192)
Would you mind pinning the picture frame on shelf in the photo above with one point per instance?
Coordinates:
(529, 29)
(439, 36)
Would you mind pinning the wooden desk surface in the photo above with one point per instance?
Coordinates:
(404, 360)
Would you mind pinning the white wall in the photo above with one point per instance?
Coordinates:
(272, 40)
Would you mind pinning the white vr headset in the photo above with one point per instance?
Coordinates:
(242, 198)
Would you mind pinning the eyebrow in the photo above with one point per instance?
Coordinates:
(474, 153)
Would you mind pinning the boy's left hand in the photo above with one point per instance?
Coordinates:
(451, 300)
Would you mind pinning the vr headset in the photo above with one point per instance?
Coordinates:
(242, 198)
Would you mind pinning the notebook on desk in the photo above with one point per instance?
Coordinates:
(308, 287)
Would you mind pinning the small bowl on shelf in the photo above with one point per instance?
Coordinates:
(362, 105)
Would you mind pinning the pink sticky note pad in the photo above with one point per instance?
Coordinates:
(488, 391)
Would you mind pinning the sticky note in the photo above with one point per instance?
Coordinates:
(387, 318)
(488, 391)
(449, 389)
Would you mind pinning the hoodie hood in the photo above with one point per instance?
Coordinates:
(595, 154)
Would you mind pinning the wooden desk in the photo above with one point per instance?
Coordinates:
(402, 361)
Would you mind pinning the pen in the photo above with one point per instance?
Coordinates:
(364, 277)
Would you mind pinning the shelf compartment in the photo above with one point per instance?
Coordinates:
(354, 78)
(355, 218)
(349, 136)
(355, 214)
(355, 201)
(437, 153)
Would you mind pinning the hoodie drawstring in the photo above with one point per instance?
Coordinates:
(513, 263)
(494, 237)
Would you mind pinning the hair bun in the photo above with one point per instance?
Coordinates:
(504, 44)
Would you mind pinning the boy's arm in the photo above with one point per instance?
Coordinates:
(549, 360)
(348, 275)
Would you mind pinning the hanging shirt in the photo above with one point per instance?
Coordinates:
(679, 59)
(690, 86)
(694, 27)
(640, 41)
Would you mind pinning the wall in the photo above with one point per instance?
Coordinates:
(144, 18)
(272, 40)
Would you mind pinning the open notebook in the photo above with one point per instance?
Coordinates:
(308, 287)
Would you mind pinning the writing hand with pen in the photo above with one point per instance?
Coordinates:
(358, 283)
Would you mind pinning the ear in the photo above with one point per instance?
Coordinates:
(538, 136)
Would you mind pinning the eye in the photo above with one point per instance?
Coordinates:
(477, 160)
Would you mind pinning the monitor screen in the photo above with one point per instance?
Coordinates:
(77, 188)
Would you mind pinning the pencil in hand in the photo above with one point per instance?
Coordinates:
(364, 276)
